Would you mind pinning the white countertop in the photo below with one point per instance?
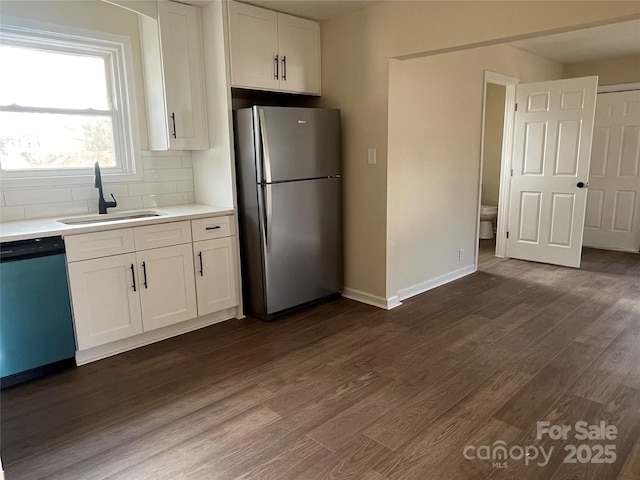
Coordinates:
(48, 227)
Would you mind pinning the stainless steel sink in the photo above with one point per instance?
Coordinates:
(110, 217)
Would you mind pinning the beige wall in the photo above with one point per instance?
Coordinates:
(90, 15)
(611, 71)
(435, 118)
(492, 148)
(356, 49)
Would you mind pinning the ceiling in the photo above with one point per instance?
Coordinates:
(614, 40)
(311, 9)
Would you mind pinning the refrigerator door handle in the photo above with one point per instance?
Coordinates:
(265, 147)
(268, 214)
(265, 212)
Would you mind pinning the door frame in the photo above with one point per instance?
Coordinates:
(510, 84)
(620, 87)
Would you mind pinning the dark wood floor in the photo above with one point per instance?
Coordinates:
(344, 390)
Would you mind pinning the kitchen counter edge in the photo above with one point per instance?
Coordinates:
(49, 227)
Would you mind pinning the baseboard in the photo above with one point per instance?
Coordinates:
(427, 285)
(363, 297)
(612, 249)
(103, 351)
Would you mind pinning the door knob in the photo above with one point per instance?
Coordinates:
(582, 184)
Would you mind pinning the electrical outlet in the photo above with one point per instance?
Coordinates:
(371, 156)
(461, 254)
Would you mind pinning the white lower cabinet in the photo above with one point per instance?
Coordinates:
(132, 281)
(216, 277)
(106, 304)
(124, 295)
(167, 290)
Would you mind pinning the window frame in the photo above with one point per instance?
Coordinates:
(116, 50)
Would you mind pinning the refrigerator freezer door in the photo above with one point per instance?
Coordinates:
(299, 143)
(303, 248)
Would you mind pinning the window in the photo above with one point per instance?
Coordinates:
(65, 103)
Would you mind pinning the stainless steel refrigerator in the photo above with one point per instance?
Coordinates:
(289, 195)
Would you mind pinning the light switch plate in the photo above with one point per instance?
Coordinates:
(371, 156)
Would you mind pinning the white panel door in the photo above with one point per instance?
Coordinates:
(253, 34)
(613, 202)
(167, 286)
(299, 47)
(106, 299)
(552, 147)
(216, 274)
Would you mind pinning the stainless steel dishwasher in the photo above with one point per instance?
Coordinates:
(36, 327)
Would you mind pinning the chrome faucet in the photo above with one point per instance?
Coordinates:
(102, 203)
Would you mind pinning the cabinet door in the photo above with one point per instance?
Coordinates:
(183, 70)
(167, 289)
(253, 34)
(299, 47)
(216, 274)
(106, 299)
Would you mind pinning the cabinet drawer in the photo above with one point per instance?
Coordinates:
(162, 235)
(99, 244)
(214, 227)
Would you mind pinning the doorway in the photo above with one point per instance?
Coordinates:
(494, 102)
(495, 158)
(544, 168)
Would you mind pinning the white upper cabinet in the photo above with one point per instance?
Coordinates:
(174, 78)
(273, 51)
(254, 47)
(299, 42)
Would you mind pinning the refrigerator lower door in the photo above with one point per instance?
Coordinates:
(303, 242)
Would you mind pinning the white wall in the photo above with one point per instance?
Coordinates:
(214, 174)
(356, 49)
(610, 71)
(435, 117)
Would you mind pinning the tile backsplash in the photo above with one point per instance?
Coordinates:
(168, 180)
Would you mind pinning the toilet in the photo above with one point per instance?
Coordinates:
(488, 215)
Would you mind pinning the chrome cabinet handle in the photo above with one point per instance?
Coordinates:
(133, 277)
(173, 119)
(144, 271)
(284, 68)
(201, 269)
(275, 62)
